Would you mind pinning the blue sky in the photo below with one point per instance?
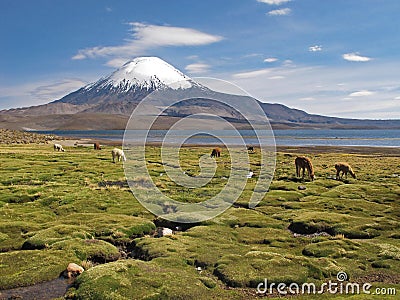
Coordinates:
(331, 57)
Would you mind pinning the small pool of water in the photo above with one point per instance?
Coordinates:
(42, 291)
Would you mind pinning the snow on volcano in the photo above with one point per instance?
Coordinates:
(144, 73)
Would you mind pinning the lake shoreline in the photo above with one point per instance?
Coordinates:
(281, 138)
(290, 149)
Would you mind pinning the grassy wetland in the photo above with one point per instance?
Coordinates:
(75, 206)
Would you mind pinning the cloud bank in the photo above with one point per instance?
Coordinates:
(147, 36)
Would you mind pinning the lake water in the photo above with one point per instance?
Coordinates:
(298, 137)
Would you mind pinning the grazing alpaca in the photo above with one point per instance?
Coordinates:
(97, 146)
(250, 148)
(216, 152)
(118, 153)
(344, 168)
(58, 147)
(304, 163)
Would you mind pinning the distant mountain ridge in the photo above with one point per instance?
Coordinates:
(108, 103)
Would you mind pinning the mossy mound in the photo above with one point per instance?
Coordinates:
(94, 250)
(310, 222)
(158, 279)
(13, 234)
(201, 245)
(111, 227)
(46, 237)
(241, 217)
(250, 269)
(332, 248)
(27, 267)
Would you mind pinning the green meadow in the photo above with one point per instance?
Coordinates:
(75, 206)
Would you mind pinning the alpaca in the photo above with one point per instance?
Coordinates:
(216, 152)
(97, 146)
(58, 147)
(304, 163)
(118, 153)
(344, 168)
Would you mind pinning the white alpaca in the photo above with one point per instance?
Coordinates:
(118, 153)
(58, 147)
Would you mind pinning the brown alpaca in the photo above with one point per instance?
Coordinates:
(344, 168)
(97, 146)
(216, 152)
(303, 163)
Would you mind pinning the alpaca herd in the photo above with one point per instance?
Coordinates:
(117, 154)
(302, 163)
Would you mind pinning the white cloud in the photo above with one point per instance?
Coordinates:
(197, 68)
(274, 2)
(397, 98)
(362, 93)
(355, 57)
(251, 74)
(145, 36)
(307, 99)
(276, 77)
(315, 48)
(280, 12)
(270, 59)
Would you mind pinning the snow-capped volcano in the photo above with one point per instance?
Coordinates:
(144, 73)
(130, 84)
(149, 73)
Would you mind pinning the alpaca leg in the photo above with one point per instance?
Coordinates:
(337, 174)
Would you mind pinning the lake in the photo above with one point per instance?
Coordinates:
(297, 137)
